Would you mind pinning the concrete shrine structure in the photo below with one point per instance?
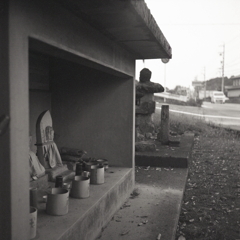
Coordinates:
(77, 60)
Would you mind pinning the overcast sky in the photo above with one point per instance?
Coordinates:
(196, 30)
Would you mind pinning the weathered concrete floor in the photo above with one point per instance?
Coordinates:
(154, 211)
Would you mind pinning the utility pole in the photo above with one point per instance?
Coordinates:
(205, 84)
(223, 55)
(165, 81)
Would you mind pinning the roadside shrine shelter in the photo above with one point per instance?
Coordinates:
(77, 60)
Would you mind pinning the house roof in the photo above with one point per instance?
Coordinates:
(235, 77)
(230, 88)
(128, 22)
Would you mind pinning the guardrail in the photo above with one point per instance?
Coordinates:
(172, 96)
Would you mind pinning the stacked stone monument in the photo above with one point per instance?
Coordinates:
(145, 107)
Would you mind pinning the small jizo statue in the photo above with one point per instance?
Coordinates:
(36, 169)
(47, 150)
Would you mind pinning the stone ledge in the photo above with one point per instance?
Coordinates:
(87, 217)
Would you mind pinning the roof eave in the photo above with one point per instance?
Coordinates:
(127, 22)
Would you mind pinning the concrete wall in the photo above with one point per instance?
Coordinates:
(234, 93)
(14, 173)
(46, 22)
(39, 101)
(39, 94)
(96, 112)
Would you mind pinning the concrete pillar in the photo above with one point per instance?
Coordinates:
(165, 124)
(14, 170)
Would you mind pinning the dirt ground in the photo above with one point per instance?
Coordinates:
(211, 204)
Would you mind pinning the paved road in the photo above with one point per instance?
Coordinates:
(227, 115)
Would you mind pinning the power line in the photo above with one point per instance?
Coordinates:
(234, 70)
(233, 38)
(234, 61)
(198, 24)
(223, 55)
(233, 65)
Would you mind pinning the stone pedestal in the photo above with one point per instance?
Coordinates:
(145, 146)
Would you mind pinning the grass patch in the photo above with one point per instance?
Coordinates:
(181, 123)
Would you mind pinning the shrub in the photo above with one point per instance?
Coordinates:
(190, 102)
(193, 102)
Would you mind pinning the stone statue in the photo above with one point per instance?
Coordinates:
(145, 75)
(145, 86)
(36, 169)
(145, 105)
(47, 150)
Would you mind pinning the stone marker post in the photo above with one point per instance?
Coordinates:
(165, 124)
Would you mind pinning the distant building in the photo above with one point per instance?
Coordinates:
(179, 90)
(234, 90)
(205, 94)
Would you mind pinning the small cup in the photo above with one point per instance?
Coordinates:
(57, 202)
(59, 181)
(33, 222)
(97, 175)
(34, 197)
(45, 198)
(103, 162)
(86, 174)
(80, 187)
(90, 165)
(66, 186)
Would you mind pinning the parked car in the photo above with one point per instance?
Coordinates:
(218, 97)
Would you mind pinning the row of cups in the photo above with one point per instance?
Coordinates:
(57, 200)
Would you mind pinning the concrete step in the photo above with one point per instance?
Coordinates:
(168, 156)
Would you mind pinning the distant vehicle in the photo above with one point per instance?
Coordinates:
(218, 97)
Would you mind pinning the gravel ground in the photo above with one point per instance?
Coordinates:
(211, 204)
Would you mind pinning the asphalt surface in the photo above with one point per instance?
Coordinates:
(227, 115)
